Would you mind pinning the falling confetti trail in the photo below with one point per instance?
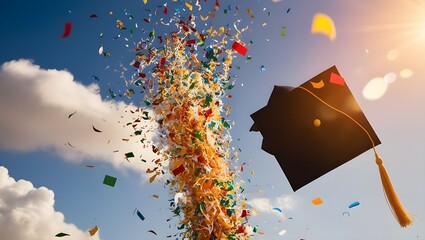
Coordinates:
(183, 76)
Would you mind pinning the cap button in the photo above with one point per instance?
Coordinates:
(317, 122)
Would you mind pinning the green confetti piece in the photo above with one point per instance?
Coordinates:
(225, 124)
(198, 135)
(129, 155)
(109, 180)
(208, 100)
(230, 212)
(283, 32)
(62, 234)
(177, 211)
(138, 133)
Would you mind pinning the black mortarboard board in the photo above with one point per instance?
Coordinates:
(308, 137)
(315, 128)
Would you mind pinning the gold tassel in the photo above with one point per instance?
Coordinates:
(401, 215)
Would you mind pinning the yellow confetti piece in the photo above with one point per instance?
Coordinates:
(155, 196)
(323, 24)
(145, 1)
(189, 6)
(204, 18)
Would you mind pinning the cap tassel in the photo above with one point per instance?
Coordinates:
(399, 212)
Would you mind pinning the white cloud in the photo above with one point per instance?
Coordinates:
(266, 205)
(27, 213)
(36, 103)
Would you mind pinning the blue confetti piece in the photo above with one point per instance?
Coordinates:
(354, 204)
(140, 215)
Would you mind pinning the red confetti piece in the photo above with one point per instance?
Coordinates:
(166, 10)
(189, 42)
(178, 170)
(241, 49)
(244, 214)
(67, 30)
(208, 113)
(162, 61)
(336, 79)
(135, 64)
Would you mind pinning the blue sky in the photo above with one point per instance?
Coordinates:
(373, 38)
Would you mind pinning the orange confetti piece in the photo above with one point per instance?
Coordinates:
(317, 201)
(318, 85)
(93, 231)
(151, 179)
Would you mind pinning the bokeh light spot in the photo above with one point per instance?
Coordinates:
(375, 88)
(392, 54)
(390, 77)
(406, 73)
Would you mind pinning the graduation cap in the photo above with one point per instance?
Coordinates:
(315, 128)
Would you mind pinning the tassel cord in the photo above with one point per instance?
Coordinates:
(397, 209)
